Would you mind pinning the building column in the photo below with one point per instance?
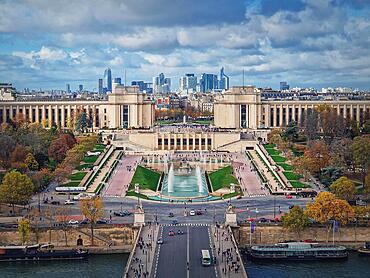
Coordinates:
(287, 115)
(43, 116)
(275, 116)
(63, 118)
(358, 112)
(281, 115)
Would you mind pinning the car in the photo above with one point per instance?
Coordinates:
(160, 241)
(263, 220)
(171, 233)
(199, 212)
(55, 202)
(101, 221)
(73, 222)
(180, 232)
(170, 214)
(122, 213)
(291, 206)
(69, 202)
(192, 213)
(289, 196)
(175, 222)
(84, 222)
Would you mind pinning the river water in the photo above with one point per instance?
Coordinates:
(96, 266)
(354, 267)
(111, 266)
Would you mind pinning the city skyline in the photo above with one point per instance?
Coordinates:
(308, 43)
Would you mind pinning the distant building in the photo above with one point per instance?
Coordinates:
(7, 92)
(188, 83)
(68, 88)
(107, 82)
(161, 84)
(100, 86)
(117, 80)
(224, 83)
(208, 82)
(80, 88)
(284, 86)
(143, 86)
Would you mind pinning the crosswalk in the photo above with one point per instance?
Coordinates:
(186, 224)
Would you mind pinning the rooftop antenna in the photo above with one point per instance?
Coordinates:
(243, 78)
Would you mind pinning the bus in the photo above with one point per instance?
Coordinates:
(206, 258)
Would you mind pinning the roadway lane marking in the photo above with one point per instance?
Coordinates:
(187, 253)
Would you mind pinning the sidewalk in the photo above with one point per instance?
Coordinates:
(227, 256)
(142, 261)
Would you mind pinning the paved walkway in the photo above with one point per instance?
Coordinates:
(122, 176)
(227, 257)
(143, 258)
(247, 177)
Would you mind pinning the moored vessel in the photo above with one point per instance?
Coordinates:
(39, 252)
(297, 251)
(365, 250)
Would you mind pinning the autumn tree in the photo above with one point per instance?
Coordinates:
(63, 217)
(318, 155)
(343, 188)
(7, 144)
(16, 189)
(31, 162)
(341, 152)
(59, 147)
(367, 183)
(302, 166)
(295, 220)
(93, 210)
(24, 230)
(326, 209)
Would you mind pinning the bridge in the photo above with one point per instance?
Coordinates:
(174, 250)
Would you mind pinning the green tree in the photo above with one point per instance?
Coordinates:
(295, 220)
(291, 132)
(361, 153)
(16, 189)
(343, 188)
(24, 230)
(81, 122)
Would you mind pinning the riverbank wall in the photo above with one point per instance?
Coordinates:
(105, 237)
(352, 237)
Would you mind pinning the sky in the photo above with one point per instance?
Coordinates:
(308, 43)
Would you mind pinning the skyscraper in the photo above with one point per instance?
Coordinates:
(117, 80)
(188, 82)
(161, 84)
(224, 83)
(107, 80)
(284, 86)
(68, 88)
(80, 88)
(208, 82)
(100, 86)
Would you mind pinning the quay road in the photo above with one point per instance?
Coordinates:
(177, 250)
(212, 211)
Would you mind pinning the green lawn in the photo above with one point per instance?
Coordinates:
(278, 158)
(269, 146)
(286, 166)
(273, 151)
(222, 178)
(298, 184)
(90, 159)
(71, 184)
(133, 193)
(291, 176)
(99, 147)
(146, 178)
(77, 176)
(84, 166)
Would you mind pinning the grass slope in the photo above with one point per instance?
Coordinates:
(146, 178)
(222, 178)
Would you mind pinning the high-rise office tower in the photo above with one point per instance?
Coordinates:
(161, 84)
(224, 80)
(188, 82)
(284, 86)
(100, 86)
(107, 80)
(68, 88)
(80, 88)
(117, 80)
(208, 82)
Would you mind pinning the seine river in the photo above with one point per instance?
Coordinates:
(109, 266)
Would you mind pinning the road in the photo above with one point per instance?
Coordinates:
(178, 249)
(212, 211)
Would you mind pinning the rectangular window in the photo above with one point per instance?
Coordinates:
(243, 116)
(178, 141)
(172, 141)
(159, 141)
(203, 141)
(125, 116)
(196, 141)
(190, 141)
(184, 141)
(165, 141)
